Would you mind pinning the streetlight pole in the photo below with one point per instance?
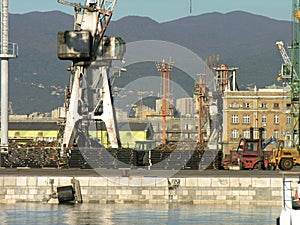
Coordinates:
(164, 68)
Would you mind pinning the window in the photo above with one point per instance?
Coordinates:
(234, 105)
(251, 147)
(289, 105)
(276, 119)
(288, 142)
(264, 121)
(263, 105)
(264, 134)
(175, 126)
(276, 105)
(246, 134)
(235, 134)
(246, 119)
(246, 105)
(288, 120)
(234, 119)
(276, 134)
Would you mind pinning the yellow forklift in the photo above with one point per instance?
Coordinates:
(284, 158)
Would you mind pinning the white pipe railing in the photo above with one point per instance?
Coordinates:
(12, 50)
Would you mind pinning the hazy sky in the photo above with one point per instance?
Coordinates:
(164, 10)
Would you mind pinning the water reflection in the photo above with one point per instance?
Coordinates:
(130, 214)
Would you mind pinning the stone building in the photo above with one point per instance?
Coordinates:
(269, 108)
(185, 106)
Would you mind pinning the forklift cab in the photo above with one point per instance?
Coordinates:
(251, 155)
(251, 147)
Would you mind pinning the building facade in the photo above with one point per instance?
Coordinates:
(269, 108)
(185, 106)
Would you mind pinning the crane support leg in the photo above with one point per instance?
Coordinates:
(108, 115)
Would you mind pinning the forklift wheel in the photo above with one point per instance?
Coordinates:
(286, 164)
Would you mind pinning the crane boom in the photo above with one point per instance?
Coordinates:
(283, 53)
(267, 142)
(106, 5)
(287, 66)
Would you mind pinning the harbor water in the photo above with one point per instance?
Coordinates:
(109, 214)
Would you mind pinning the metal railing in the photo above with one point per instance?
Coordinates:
(12, 50)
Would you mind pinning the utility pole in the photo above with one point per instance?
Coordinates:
(164, 68)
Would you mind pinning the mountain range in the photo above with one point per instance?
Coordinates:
(241, 39)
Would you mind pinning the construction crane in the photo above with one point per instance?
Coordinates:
(89, 95)
(283, 53)
(286, 68)
(295, 84)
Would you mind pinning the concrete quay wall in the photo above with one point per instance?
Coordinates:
(194, 190)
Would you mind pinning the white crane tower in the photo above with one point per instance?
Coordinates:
(88, 96)
(286, 68)
(8, 50)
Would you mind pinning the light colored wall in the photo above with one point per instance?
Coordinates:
(195, 190)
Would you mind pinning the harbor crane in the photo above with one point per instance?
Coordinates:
(89, 95)
(286, 68)
(285, 57)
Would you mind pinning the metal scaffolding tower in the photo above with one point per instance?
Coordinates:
(295, 87)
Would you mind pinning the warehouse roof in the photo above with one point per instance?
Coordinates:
(33, 126)
(124, 126)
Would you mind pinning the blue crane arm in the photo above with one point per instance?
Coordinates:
(267, 142)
